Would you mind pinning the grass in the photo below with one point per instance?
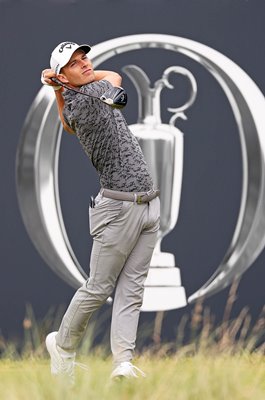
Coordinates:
(198, 377)
(205, 362)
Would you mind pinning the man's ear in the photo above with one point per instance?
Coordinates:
(62, 78)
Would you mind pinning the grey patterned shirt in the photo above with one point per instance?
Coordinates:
(107, 140)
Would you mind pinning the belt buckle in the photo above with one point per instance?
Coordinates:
(139, 200)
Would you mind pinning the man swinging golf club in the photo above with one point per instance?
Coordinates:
(124, 217)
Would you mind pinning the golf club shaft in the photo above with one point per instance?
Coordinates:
(55, 80)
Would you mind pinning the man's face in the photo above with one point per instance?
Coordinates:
(78, 71)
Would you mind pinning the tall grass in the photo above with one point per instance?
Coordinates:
(205, 361)
(200, 377)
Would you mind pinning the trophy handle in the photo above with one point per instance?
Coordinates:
(179, 111)
(148, 98)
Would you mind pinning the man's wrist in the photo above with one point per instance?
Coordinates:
(55, 87)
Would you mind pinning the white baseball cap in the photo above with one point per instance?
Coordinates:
(63, 52)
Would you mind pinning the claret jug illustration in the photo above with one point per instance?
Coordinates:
(162, 145)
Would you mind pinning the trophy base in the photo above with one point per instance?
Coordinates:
(163, 276)
(163, 290)
(162, 259)
(163, 298)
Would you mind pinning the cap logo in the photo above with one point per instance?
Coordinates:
(67, 45)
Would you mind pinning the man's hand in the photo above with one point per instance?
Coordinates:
(46, 76)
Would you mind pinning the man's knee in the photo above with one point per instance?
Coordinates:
(99, 292)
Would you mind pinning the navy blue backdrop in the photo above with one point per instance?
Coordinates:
(212, 169)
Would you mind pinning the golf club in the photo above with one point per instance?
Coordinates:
(115, 97)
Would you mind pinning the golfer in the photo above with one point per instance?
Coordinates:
(124, 217)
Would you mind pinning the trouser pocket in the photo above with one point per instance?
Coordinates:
(104, 213)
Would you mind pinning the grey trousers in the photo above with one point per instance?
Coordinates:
(124, 235)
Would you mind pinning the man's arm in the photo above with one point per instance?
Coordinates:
(47, 74)
(113, 77)
(60, 106)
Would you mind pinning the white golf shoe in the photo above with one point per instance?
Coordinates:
(126, 370)
(62, 362)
